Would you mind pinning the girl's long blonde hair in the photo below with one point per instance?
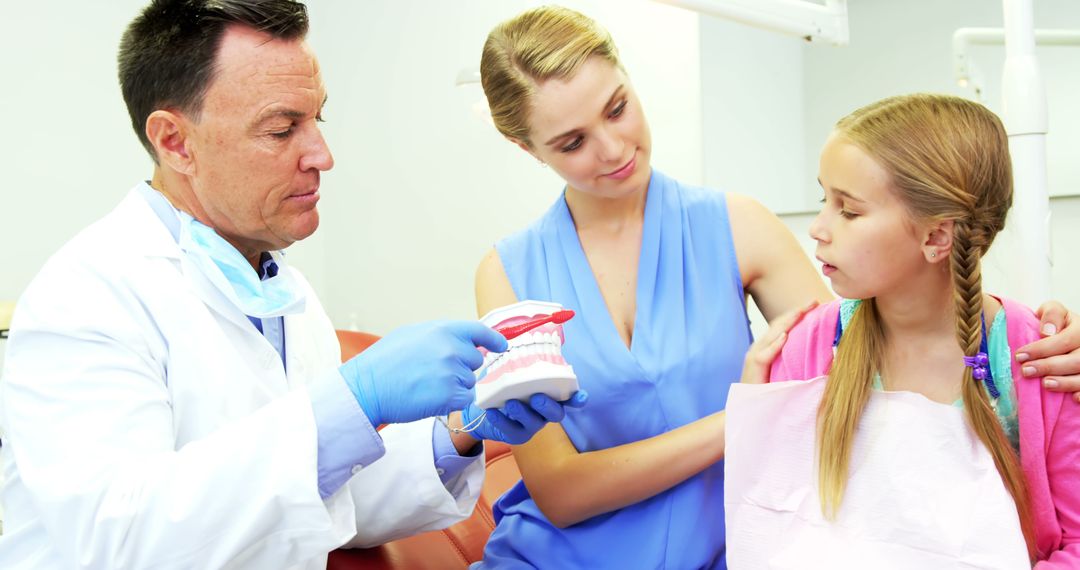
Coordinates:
(544, 43)
(949, 160)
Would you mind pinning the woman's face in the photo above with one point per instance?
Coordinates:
(591, 130)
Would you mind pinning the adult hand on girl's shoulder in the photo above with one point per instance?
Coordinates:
(760, 356)
(1056, 357)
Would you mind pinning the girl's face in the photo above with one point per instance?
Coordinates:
(591, 130)
(866, 239)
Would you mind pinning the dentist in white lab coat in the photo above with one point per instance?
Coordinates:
(173, 396)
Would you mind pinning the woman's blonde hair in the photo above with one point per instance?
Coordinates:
(949, 160)
(544, 43)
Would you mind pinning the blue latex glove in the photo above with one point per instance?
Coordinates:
(517, 422)
(419, 371)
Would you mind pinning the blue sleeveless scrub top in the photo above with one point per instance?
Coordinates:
(690, 335)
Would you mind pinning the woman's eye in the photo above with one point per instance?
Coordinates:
(618, 110)
(574, 145)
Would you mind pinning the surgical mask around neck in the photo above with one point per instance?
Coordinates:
(233, 275)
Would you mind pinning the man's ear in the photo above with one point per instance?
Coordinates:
(168, 133)
(938, 241)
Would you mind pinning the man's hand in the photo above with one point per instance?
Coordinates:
(419, 371)
(1056, 357)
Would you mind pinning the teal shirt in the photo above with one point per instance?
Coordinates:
(1000, 365)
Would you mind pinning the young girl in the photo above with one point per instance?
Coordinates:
(920, 393)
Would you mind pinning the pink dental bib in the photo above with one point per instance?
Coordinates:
(922, 490)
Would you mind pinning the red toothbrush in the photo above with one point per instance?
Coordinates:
(558, 317)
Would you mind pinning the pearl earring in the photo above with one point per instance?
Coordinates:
(933, 254)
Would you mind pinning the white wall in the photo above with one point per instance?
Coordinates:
(68, 153)
(752, 92)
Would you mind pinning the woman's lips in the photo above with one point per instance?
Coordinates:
(626, 170)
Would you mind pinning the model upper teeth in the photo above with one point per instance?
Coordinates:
(527, 344)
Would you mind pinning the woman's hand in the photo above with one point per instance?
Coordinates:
(1056, 357)
(760, 357)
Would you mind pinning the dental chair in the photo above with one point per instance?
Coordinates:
(450, 548)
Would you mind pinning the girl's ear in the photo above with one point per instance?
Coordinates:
(938, 241)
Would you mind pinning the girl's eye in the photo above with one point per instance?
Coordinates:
(843, 212)
(574, 145)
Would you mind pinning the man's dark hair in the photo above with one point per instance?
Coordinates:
(167, 55)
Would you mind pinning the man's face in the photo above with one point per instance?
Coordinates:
(257, 150)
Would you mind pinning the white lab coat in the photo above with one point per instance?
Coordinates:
(147, 424)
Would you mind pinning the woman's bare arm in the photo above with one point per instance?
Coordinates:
(608, 479)
(775, 270)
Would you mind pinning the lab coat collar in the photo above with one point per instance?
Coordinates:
(153, 238)
(149, 236)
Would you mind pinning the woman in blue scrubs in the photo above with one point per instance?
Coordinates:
(657, 272)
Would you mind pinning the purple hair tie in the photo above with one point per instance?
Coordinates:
(981, 363)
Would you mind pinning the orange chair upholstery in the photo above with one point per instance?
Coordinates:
(447, 549)
(354, 342)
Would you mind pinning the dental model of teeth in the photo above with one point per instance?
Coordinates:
(533, 364)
